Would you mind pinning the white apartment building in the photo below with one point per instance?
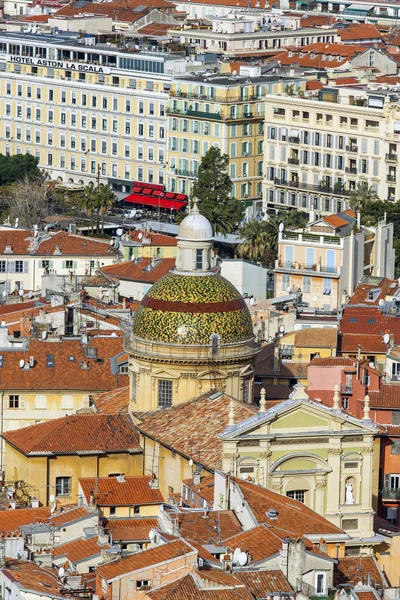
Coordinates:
(86, 110)
(316, 151)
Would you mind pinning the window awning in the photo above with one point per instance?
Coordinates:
(359, 8)
(157, 201)
(284, 299)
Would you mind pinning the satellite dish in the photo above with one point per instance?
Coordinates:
(119, 231)
(251, 301)
(53, 508)
(5, 293)
(289, 289)
(111, 242)
(61, 572)
(191, 462)
(386, 338)
(35, 227)
(281, 227)
(21, 292)
(236, 555)
(381, 302)
(44, 336)
(30, 294)
(52, 498)
(242, 559)
(152, 535)
(35, 233)
(282, 329)
(22, 363)
(140, 235)
(314, 298)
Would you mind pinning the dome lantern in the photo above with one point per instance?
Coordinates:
(195, 243)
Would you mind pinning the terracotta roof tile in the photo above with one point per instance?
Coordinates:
(66, 374)
(364, 31)
(12, 520)
(77, 433)
(130, 530)
(30, 577)
(349, 342)
(186, 588)
(335, 221)
(119, 11)
(259, 582)
(205, 489)
(116, 401)
(315, 337)
(260, 542)
(192, 428)
(108, 491)
(352, 570)
(138, 271)
(366, 595)
(74, 245)
(346, 81)
(79, 550)
(333, 361)
(314, 85)
(294, 518)
(69, 516)
(360, 294)
(152, 238)
(145, 559)
(207, 527)
(387, 397)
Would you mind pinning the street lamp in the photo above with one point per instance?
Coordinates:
(315, 304)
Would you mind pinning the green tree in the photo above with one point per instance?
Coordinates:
(362, 195)
(213, 187)
(255, 240)
(18, 167)
(87, 202)
(105, 198)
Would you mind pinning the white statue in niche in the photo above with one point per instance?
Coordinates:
(349, 494)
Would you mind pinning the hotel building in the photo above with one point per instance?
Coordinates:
(87, 111)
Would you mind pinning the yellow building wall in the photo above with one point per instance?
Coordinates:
(148, 510)
(41, 472)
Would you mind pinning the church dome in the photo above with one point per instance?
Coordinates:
(188, 309)
(195, 227)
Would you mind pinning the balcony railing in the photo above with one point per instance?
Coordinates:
(323, 189)
(310, 238)
(391, 178)
(352, 148)
(184, 173)
(346, 390)
(352, 170)
(391, 494)
(293, 161)
(391, 157)
(297, 266)
(294, 140)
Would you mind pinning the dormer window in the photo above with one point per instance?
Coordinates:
(8, 249)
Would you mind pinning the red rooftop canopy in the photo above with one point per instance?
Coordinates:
(154, 195)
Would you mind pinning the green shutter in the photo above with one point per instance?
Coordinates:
(64, 264)
(75, 264)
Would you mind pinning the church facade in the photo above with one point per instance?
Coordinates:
(311, 453)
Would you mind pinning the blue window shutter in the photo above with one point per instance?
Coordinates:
(26, 264)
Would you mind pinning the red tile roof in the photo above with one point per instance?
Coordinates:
(145, 559)
(187, 589)
(315, 337)
(346, 81)
(109, 491)
(360, 294)
(352, 570)
(208, 527)
(335, 220)
(333, 361)
(294, 518)
(151, 238)
(116, 401)
(136, 529)
(314, 85)
(12, 520)
(205, 489)
(139, 271)
(117, 10)
(258, 582)
(365, 31)
(349, 342)
(68, 372)
(79, 550)
(77, 433)
(28, 576)
(69, 244)
(192, 428)
(260, 542)
(387, 397)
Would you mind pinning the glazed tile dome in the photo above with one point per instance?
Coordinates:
(188, 309)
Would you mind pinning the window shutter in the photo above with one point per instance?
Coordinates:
(387, 480)
(11, 266)
(22, 402)
(51, 264)
(26, 264)
(64, 264)
(6, 403)
(75, 264)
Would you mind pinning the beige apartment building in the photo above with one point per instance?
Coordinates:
(227, 112)
(317, 150)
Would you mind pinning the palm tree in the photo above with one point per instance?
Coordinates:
(87, 201)
(362, 195)
(106, 200)
(255, 240)
(220, 221)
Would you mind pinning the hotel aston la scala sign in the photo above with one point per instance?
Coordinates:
(58, 64)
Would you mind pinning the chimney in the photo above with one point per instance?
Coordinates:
(26, 325)
(197, 477)
(102, 536)
(226, 562)
(124, 303)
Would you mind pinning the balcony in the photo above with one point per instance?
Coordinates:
(391, 178)
(352, 148)
(293, 161)
(346, 390)
(391, 157)
(352, 170)
(390, 494)
(336, 190)
(294, 140)
(297, 266)
(286, 350)
(184, 173)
